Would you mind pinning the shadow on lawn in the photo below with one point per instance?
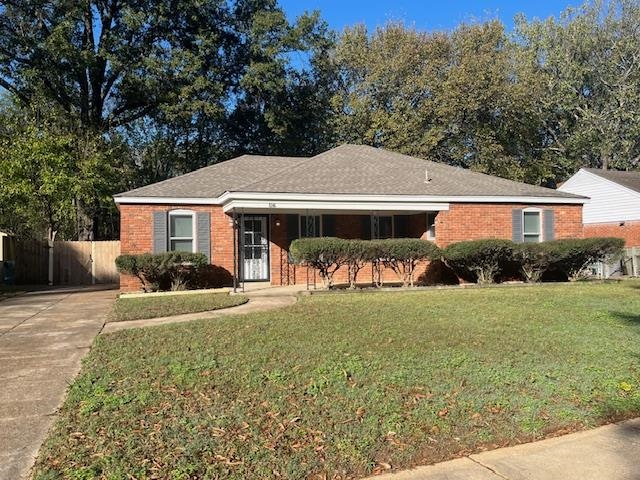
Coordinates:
(632, 318)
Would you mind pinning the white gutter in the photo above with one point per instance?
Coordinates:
(276, 198)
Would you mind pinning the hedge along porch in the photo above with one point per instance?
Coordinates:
(245, 212)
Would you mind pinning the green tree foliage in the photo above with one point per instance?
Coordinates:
(533, 106)
(48, 168)
(180, 84)
(588, 65)
(448, 97)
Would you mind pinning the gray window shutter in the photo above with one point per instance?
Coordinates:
(548, 225)
(328, 225)
(159, 232)
(518, 228)
(203, 231)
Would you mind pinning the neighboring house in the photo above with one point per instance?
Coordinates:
(244, 213)
(614, 206)
(612, 211)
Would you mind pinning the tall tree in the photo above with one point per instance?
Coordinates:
(182, 78)
(588, 64)
(451, 97)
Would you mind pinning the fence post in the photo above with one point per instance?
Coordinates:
(50, 242)
(93, 262)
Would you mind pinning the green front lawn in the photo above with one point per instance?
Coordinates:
(163, 306)
(340, 386)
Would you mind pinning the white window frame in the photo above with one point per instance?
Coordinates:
(540, 233)
(300, 227)
(182, 213)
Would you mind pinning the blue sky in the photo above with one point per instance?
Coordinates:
(425, 15)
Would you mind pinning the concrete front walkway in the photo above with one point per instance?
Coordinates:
(258, 302)
(43, 336)
(611, 452)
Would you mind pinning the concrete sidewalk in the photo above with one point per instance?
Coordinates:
(43, 336)
(256, 303)
(611, 452)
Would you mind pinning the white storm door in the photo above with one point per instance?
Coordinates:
(255, 249)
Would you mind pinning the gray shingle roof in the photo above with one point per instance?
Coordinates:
(630, 180)
(214, 180)
(347, 169)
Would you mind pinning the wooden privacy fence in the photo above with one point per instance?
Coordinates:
(74, 263)
(85, 263)
(31, 261)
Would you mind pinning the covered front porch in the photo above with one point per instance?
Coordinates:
(263, 234)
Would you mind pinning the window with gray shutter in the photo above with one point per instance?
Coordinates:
(548, 221)
(159, 232)
(517, 227)
(203, 232)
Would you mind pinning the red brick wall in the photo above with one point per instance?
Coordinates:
(461, 222)
(136, 222)
(629, 231)
(475, 221)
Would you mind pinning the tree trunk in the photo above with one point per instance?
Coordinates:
(85, 221)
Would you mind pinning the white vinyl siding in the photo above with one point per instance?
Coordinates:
(609, 202)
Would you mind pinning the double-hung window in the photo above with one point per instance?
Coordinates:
(181, 231)
(532, 226)
(310, 226)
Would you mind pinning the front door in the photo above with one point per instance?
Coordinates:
(255, 248)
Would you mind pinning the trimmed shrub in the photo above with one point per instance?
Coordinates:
(325, 254)
(357, 254)
(160, 271)
(403, 254)
(483, 258)
(533, 260)
(438, 273)
(572, 257)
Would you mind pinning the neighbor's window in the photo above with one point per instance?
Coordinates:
(531, 224)
(310, 226)
(181, 232)
(382, 227)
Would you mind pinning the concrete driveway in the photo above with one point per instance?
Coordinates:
(43, 336)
